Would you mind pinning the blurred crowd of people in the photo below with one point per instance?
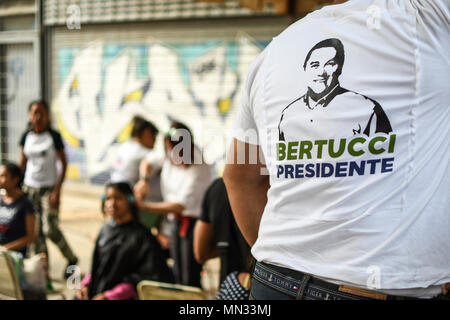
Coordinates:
(328, 229)
(152, 204)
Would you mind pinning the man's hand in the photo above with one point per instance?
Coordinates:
(140, 189)
(54, 198)
(100, 296)
(163, 240)
(82, 294)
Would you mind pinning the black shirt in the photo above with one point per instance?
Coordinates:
(233, 249)
(12, 219)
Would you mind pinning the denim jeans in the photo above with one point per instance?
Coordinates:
(271, 282)
(260, 291)
(276, 283)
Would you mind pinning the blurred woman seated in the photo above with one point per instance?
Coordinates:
(16, 211)
(125, 251)
(17, 232)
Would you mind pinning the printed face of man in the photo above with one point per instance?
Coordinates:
(321, 68)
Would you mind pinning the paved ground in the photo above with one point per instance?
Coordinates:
(80, 221)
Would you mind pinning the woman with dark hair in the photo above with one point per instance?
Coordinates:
(125, 251)
(41, 147)
(184, 180)
(129, 156)
(16, 211)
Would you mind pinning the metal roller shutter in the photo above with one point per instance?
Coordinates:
(21, 85)
(193, 71)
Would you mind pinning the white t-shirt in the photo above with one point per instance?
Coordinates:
(351, 105)
(41, 152)
(186, 185)
(126, 167)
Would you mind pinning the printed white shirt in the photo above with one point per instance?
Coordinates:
(347, 205)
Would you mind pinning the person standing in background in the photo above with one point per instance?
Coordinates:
(131, 152)
(183, 185)
(41, 147)
(129, 157)
(217, 235)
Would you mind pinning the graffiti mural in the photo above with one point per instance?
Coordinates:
(15, 67)
(103, 85)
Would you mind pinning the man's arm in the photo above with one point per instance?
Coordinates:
(56, 193)
(204, 247)
(161, 207)
(63, 158)
(145, 172)
(247, 188)
(23, 160)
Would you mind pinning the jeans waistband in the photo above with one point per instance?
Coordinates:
(304, 286)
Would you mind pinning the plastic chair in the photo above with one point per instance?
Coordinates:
(9, 282)
(153, 290)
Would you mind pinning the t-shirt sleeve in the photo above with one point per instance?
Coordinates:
(155, 159)
(29, 208)
(23, 138)
(57, 140)
(244, 126)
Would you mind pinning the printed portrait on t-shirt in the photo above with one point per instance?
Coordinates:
(323, 66)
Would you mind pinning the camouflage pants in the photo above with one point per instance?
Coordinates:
(47, 224)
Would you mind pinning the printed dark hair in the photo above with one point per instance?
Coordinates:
(15, 172)
(330, 43)
(141, 124)
(125, 189)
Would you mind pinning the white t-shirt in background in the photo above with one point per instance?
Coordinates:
(359, 180)
(186, 185)
(126, 167)
(41, 150)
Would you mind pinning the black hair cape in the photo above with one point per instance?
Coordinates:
(126, 253)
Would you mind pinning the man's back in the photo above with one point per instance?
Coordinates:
(344, 202)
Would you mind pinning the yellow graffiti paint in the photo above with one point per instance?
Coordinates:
(220, 170)
(125, 134)
(70, 138)
(73, 171)
(74, 85)
(136, 95)
(224, 105)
